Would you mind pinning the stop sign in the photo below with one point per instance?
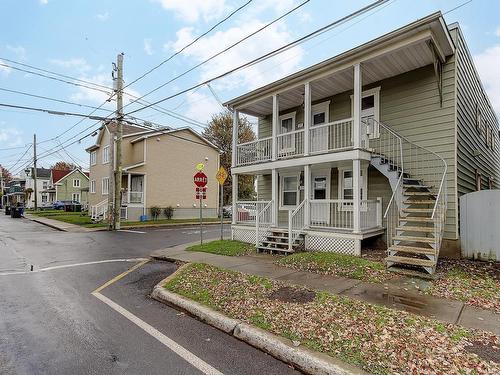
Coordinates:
(200, 179)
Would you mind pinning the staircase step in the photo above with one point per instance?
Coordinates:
(418, 210)
(277, 243)
(416, 218)
(416, 229)
(425, 201)
(414, 239)
(413, 261)
(410, 193)
(412, 249)
(269, 248)
(284, 237)
(408, 186)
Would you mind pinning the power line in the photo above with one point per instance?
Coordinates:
(52, 112)
(457, 7)
(54, 78)
(190, 43)
(219, 53)
(269, 54)
(17, 162)
(52, 99)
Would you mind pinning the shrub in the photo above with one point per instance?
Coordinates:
(155, 212)
(169, 212)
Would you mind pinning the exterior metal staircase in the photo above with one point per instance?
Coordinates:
(417, 209)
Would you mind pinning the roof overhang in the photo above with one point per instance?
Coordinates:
(410, 47)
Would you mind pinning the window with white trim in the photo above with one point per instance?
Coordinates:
(105, 186)
(346, 185)
(44, 198)
(105, 155)
(289, 191)
(45, 184)
(76, 182)
(92, 186)
(93, 158)
(75, 197)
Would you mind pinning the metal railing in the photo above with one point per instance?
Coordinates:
(296, 222)
(339, 213)
(333, 136)
(256, 151)
(99, 211)
(290, 144)
(246, 211)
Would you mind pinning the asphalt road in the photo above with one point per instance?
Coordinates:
(51, 323)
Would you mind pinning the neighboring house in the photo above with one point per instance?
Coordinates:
(158, 169)
(381, 139)
(14, 192)
(42, 181)
(68, 185)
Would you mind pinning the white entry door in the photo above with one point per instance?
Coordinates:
(319, 133)
(320, 190)
(369, 112)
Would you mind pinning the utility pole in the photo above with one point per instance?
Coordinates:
(34, 172)
(118, 144)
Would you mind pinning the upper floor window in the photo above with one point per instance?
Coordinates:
(76, 182)
(45, 184)
(105, 155)
(93, 158)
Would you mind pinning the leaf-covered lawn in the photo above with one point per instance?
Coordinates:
(473, 282)
(338, 265)
(224, 247)
(378, 339)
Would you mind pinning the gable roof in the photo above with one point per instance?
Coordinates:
(58, 174)
(128, 130)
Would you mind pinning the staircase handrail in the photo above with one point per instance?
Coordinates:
(293, 233)
(258, 222)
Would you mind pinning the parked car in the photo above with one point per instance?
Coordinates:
(72, 206)
(250, 208)
(227, 211)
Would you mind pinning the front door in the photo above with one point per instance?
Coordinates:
(320, 190)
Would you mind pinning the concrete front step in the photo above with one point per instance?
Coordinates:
(414, 239)
(412, 261)
(409, 228)
(413, 249)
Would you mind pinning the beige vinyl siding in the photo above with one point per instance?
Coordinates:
(264, 187)
(99, 171)
(469, 94)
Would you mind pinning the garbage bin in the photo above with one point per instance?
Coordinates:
(16, 212)
(7, 210)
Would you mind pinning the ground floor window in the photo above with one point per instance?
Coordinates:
(44, 198)
(76, 197)
(289, 193)
(92, 186)
(105, 186)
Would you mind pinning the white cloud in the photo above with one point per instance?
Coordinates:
(10, 137)
(148, 47)
(487, 65)
(19, 51)
(4, 70)
(43, 2)
(497, 31)
(78, 64)
(271, 38)
(201, 107)
(102, 16)
(193, 10)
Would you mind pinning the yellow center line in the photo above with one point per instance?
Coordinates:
(120, 276)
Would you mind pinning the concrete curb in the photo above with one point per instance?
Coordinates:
(304, 359)
(46, 224)
(166, 225)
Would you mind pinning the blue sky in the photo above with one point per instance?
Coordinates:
(81, 38)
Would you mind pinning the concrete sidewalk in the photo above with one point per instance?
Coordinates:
(398, 294)
(60, 225)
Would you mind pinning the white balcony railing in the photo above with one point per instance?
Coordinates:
(254, 152)
(290, 144)
(247, 211)
(333, 136)
(136, 197)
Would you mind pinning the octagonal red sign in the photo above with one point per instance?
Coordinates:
(200, 179)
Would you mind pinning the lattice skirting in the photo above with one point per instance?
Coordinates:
(247, 234)
(331, 244)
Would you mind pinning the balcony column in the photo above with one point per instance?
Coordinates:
(307, 117)
(356, 186)
(356, 115)
(275, 195)
(236, 116)
(307, 195)
(275, 125)
(129, 181)
(234, 199)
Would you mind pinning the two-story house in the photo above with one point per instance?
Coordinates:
(68, 185)
(158, 169)
(379, 140)
(42, 182)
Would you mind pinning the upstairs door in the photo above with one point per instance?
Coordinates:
(319, 133)
(286, 138)
(320, 190)
(370, 111)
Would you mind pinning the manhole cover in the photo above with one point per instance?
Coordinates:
(290, 294)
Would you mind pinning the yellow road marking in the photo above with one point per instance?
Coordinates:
(120, 276)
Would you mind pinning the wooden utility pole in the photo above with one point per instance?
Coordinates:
(35, 189)
(118, 144)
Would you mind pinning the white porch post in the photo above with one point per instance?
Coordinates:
(275, 196)
(356, 115)
(307, 116)
(129, 181)
(236, 115)
(356, 186)
(307, 194)
(234, 198)
(275, 125)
